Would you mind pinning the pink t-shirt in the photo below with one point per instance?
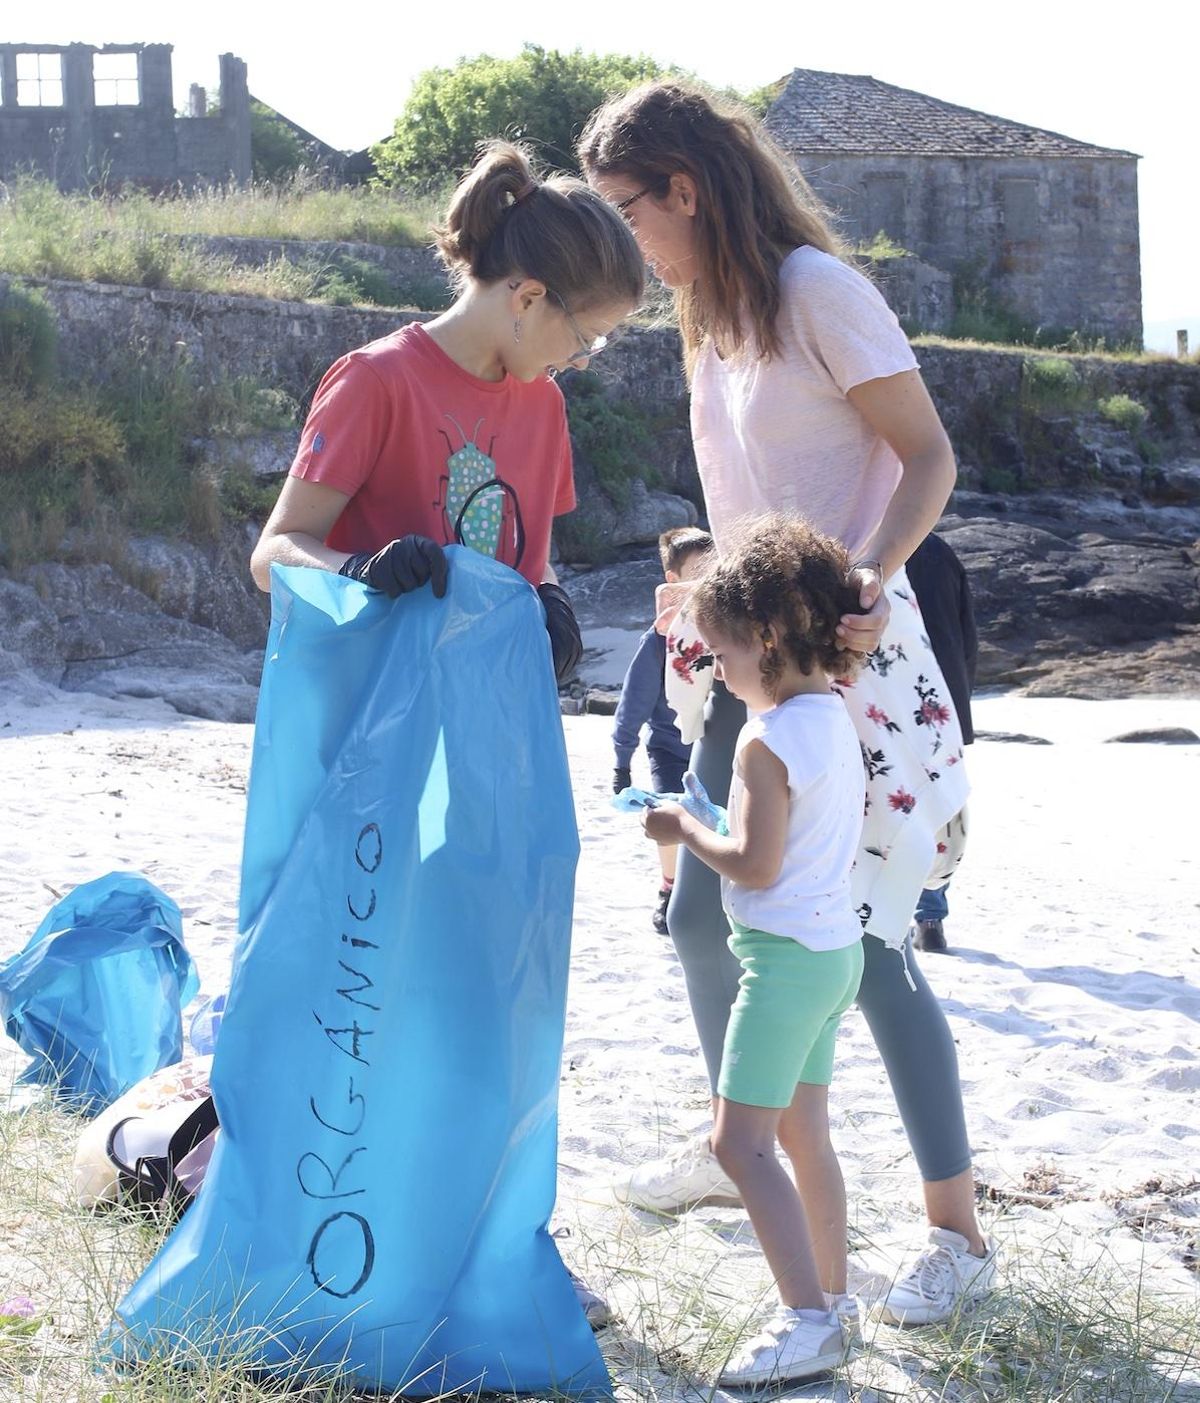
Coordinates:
(419, 444)
(780, 434)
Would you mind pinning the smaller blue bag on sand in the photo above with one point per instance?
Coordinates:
(96, 996)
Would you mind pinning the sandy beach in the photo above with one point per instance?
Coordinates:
(1071, 989)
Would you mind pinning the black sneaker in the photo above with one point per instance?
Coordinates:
(929, 936)
(659, 919)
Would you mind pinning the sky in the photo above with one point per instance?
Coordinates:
(1126, 77)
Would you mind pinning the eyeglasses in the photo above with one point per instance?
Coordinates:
(587, 349)
(623, 205)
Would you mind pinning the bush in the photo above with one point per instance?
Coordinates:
(1124, 412)
(276, 152)
(125, 459)
(52, 432)
(612, 435)
(542, 96)
(28, 337)
(881, 246)
(1049, 382)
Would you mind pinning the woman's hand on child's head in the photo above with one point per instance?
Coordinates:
(663, 823)
(863, 632)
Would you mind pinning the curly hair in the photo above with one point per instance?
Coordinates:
(782, 572)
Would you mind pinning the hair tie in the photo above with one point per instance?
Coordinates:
(525, 191)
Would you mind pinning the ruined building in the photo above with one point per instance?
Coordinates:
(87, 116)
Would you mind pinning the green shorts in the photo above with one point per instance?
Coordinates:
(784, 1020)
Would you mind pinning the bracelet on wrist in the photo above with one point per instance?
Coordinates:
(876, 565)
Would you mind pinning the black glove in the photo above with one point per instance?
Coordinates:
(622, 779)
(402, 566)
(566, 646)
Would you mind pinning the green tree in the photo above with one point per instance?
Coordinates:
(541, 96)
(275, 150)
(758, 100)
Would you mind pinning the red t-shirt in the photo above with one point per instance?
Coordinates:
(419, 444)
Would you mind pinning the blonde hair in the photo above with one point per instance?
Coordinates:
(753, 207)
(504, 219)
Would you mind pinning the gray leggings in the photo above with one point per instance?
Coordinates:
(909, 1028)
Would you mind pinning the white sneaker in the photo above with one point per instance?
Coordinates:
(945, 1278)
(794, 1344)
(689, 1176)
(845, 1307)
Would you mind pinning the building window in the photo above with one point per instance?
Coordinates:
(1019, 203)
(115, 79)
(39, 80)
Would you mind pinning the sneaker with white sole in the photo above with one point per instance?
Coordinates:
(945, 1278)
(845, 1307)
(689, 1176)
(793, 1344)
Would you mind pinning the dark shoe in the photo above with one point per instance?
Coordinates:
(595, 1307)
(659, 919)
(930, 936)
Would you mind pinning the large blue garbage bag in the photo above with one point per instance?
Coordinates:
(387, 1071)
(96, 995)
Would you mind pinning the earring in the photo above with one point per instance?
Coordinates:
(517, 330)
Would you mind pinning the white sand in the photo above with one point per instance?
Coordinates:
(1072, 992)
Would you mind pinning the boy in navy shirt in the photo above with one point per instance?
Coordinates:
(683, 552)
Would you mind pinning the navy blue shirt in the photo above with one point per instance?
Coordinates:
(940, 582)
(644, 699)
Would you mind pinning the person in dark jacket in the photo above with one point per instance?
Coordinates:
(644, 698)
(940, 582)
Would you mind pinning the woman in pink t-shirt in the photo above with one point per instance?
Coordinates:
(806, 398)
(454, 431)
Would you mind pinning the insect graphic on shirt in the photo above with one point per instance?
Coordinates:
(481, 510)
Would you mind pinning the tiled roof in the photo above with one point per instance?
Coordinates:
(849, 113)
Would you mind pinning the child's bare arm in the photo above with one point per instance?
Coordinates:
(754, 857)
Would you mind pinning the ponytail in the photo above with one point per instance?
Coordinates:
(503, 219)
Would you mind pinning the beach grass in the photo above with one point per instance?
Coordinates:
(1070, 1323)
(149, 241)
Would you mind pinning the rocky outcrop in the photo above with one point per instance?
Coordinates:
(83, 629)
(1081, 599)
(1071, 598)
(206, 585)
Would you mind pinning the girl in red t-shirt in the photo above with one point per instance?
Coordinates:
(453, 431)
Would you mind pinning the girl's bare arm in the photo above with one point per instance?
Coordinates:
(296, 529)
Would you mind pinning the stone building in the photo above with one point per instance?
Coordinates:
(85, 116)
(1040, 225)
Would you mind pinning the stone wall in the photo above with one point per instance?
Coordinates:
(287, 344)
(1054, 240)
(1005, 438)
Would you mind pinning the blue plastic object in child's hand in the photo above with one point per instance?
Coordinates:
(95, 996)
(694, 800)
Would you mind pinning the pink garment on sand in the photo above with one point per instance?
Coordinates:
(780, 434)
